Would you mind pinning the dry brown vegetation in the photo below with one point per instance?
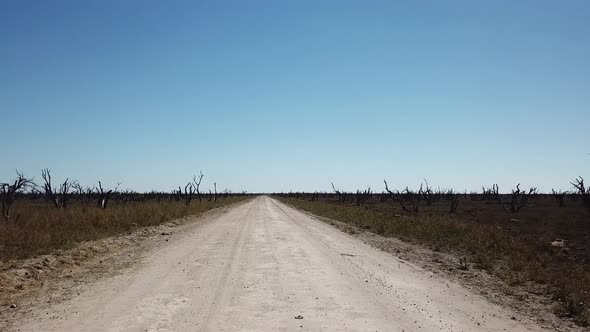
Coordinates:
(522, 237)
(39, 219)
(41, 228)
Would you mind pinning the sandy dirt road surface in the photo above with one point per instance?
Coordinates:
(259, 266)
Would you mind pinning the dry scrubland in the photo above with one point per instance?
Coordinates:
(545, 243)
(263, 266)
(38, 217)
(524, 238)
(39, 227)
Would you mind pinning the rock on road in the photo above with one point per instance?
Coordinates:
(264, 266)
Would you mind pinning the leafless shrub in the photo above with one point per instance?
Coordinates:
(104, 195)
(363, 196)
(580, 187)
(84, 195)
(59, 197)
(426, 193)
(187, 195)
(8, 192)
(582, 190)
(406, 199)
(518, 199)
(125, 196)
(491, 193)
(341, 197)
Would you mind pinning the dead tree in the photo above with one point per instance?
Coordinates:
(409, 197)
(125, 196)
(84, 194)
(59, 197)
(48, 187)
(406, 199)
(426, 194)
(338, 192)
(491, 193)
(198, 184)
(103, 196)
(187, 195)
(582, 190)
(580, 187)
(363, 196)
(9, 191)
(176, 194)
(518, 199)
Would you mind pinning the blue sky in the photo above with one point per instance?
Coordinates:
(290, 95)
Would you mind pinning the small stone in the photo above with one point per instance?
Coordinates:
(298, 317)
(13, 306)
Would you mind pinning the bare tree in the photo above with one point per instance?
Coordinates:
(583, 190)
(177, 194)
(104, 195)
(579, 185)
(491, 193)
(198, 184)
(187, 195)
(406, 199)
(518, 199)
(59, 197)
(8, 192)
(426, 193)
(125, 196)
(363, 196)
(341, 197)
(84, 194)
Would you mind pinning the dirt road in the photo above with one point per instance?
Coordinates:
(265, 266)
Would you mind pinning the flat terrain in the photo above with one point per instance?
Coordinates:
(264, 266)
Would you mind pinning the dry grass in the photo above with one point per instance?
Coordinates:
(39, 228)
(518, 252)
